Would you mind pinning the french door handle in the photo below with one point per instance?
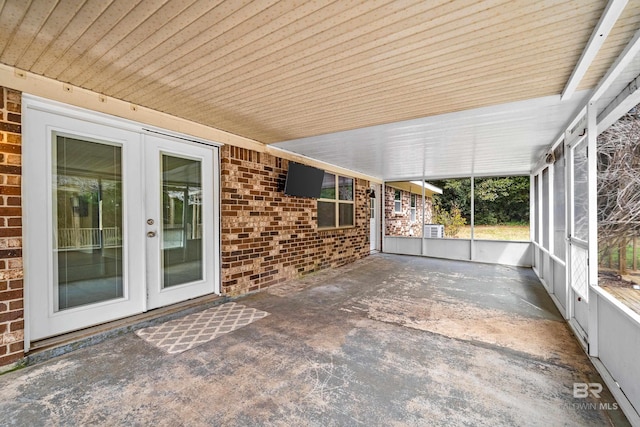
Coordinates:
(151, 234)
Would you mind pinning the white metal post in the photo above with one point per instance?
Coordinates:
(532, 212)
(570, 224)
(383, 219)
(568, 306)
(540, 213)
(552, 223)
(473, 209)
(592, 162)
(423, 240)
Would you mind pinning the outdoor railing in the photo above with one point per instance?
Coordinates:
(88, 238)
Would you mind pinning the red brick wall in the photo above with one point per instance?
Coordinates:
(11, 296)
(268, 237)
(400, 224)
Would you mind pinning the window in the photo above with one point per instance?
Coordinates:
(580, 192)
(559, 203)
(413, 208)
(372, 207)
(397, 204)
(336, 206)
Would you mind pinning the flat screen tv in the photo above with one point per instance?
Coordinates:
(303, 181)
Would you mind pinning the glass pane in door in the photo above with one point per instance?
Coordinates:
(581, 192)
(181, 221)
(87, 210)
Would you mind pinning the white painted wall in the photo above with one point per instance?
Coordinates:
(489, 251)
(619, 346)
(503, 252)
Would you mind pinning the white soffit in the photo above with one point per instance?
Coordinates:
(497, 140)
(428, 186)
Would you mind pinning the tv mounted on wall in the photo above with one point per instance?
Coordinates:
(303, 181)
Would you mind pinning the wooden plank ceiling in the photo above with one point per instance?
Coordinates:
(281, 70)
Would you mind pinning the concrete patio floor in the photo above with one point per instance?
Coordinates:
(388, 340)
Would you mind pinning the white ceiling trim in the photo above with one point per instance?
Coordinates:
(622, 62)
(625, 101)
(600, 33)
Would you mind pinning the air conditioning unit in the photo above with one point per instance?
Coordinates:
(433, 231)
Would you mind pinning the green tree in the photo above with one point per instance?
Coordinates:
(497, 200)
(452, 220)
(455, 193)
(502, 200)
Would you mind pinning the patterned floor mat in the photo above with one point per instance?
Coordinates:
(178, 335)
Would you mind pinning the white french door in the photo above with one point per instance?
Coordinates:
(117, 220)
(179, 220)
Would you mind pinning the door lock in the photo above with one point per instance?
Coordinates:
(150, 221)
(151, 234)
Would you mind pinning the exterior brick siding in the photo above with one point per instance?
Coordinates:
(268, 237)
(400, 224)
(11, 274)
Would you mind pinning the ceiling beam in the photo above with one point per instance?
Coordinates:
(607, 21)
(628, 54)
(625, 101)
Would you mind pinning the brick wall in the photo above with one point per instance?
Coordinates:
(400, 224)
(11, 296)
(268, 237)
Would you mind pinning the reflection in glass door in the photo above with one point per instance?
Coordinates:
(87, 213)
(120, 221)
(181, 220)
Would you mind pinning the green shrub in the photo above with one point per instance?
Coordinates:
(452, 220)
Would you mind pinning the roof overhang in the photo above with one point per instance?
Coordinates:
(415, 187)
(384, 88)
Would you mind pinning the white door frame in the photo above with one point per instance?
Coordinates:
(157, 296)
(581, 328)
(375, 233)
(41, 118)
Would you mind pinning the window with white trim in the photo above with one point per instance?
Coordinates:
(397, 201)
(336, 205)
(413, 208)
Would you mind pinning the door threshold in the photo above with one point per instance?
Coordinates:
(48, 348)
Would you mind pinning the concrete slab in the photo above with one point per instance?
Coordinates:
(388, 340)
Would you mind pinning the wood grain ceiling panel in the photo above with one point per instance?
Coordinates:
(99, 29)
(429, 78)
(49, 29)
(124, 36)
(622, 32)
(427, 41)
(30, 26)
(277, 70)
(215, 61)
(330, 38)
(164, 24)
(72, 21)
(245, 104)
(195, 26)
(13, 14)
